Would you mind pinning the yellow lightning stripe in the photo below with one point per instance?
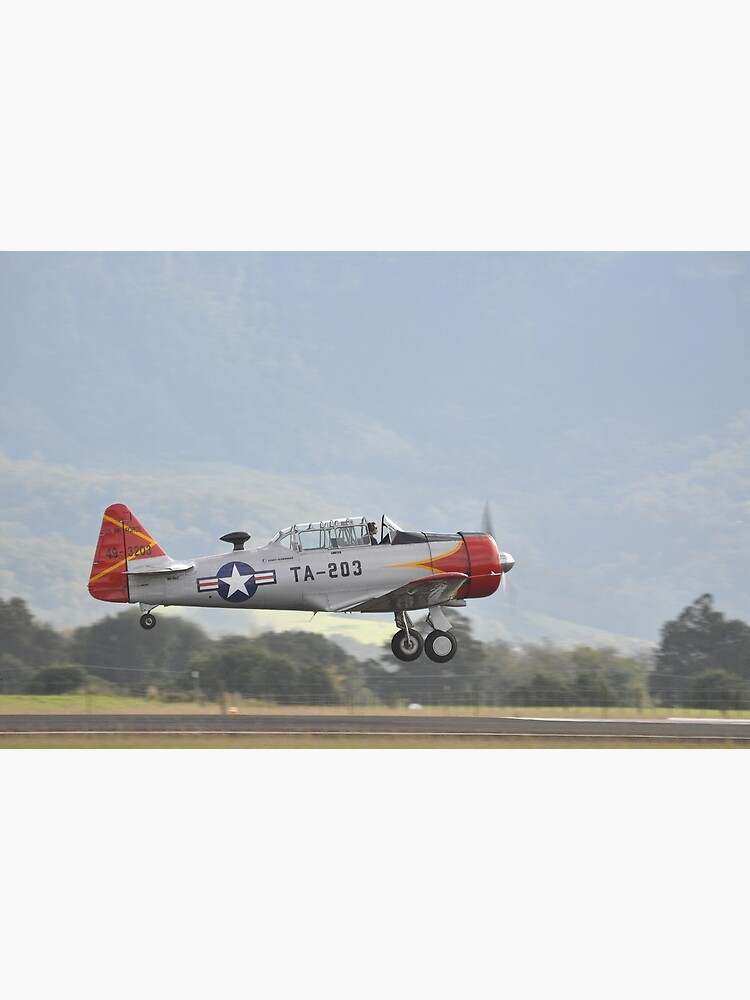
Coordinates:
(122, 562)
(126, 527)
(108, 570)
(428, 564)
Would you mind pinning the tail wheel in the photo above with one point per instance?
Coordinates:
(147, 621)
(440, 646)
(407, 645)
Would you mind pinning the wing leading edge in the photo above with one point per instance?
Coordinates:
(425, 592)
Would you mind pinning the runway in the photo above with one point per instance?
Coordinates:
(435, 726)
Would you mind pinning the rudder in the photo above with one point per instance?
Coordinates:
(122, 539)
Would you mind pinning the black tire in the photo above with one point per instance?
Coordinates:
(407, 646)
(440, 646)
(148, 621)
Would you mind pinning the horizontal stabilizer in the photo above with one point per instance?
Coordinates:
(425, 592)
(162, 564)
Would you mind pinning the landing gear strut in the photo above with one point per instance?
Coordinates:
(440, 645)
(407, 645)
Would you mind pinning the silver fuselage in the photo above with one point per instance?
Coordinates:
(275, 578)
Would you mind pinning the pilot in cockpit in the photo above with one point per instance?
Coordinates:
(372, 530)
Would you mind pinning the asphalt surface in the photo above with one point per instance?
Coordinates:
(737, 730)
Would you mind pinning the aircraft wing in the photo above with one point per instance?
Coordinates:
(425, 592)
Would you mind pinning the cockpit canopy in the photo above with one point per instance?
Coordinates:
(342, 532)
(339, 533)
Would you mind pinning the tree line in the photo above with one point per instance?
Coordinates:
(702, 661)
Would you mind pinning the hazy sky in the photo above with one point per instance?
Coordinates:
(597, 401)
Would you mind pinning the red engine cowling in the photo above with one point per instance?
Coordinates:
(479, 558)
(484, 569)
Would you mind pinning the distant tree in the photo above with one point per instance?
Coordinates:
(590, 687)
(542, 689)
(699, 640)
(323, 665)
(547, 657)
(498, 673)
(15, 676)
(22, 637)
(273, 676)
(625, 678)
(304, 647)
(57, 680)
(316, 685)
(119, 651)
(383, 680)
(720, 690)
(544, 660)
(244, 666)
(230, 664)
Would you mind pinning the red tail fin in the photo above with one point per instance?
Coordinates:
(122, 539)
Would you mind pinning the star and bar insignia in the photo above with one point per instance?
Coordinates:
(236, 581)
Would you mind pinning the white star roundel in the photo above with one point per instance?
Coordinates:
(236, 582)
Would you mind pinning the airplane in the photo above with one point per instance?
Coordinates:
(318, 566)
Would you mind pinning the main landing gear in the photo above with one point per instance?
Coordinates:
(407, 644)
(147, 620)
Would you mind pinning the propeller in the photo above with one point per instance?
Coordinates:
(487, 526)
(507, 561)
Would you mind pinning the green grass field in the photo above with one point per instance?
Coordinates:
(99, 704)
